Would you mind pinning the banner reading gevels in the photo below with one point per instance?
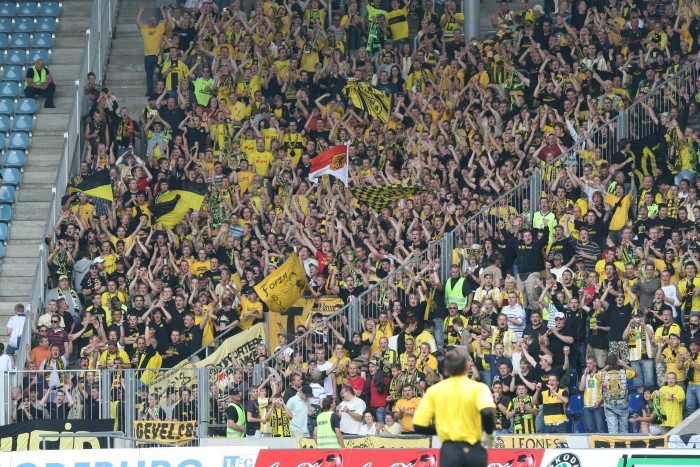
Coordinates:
(165, 432)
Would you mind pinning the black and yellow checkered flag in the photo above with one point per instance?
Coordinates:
(366, 97)
(384, 196)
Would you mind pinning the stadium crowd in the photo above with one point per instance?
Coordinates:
(593, 291)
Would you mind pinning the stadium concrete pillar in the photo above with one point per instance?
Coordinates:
(472, 13)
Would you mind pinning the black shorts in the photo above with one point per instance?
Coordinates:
(454, 454)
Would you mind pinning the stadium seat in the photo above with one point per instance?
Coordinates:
(635, 400)
(2, 250)
(18, 141)
(49, 9)
(42, 40)
(28, 9)
(573, 382)
(47, 24)
(3, 140)
(5, 213)
(4, 123)
(11, 177)
(8, 9)
(7, 194)
(9, 89)
(26, 105)
(4, 41)
(13, 159)
(12, 73)
(5, 25)
(36, 54)
(20, 40)
(23, 123)
(17, 57)
(3, 232)
(7, 106)
(23, 25)
(574, 411)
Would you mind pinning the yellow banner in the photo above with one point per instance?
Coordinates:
(604, 441)
(374, 442)
(284, 286)
(297, 313)
(234, 349)
(529, 441)
(165, 432)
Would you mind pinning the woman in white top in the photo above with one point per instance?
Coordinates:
(6, 361)
(370, 426)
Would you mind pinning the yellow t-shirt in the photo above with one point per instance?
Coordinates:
(200, 267)
(152, 38)
(398, 23)
(409, 407)
(248, 307)
(261, 161)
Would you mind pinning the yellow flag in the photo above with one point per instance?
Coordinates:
(284, 286)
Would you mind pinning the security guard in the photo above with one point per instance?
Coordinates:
(327, 432)
(461, 407)
(457, 289)
(39, 82)
(235, 416)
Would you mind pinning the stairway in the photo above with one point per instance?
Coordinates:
(34, 195)
(125, 75)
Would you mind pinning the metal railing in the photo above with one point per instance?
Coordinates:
(98, 37)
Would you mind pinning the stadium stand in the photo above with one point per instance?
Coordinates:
(552, 218)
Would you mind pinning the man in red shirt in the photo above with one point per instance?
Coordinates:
(354, 379)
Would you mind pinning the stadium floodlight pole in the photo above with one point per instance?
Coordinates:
(472, 12)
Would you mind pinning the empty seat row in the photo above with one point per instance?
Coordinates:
(11, 89)
(23, 57)
(18, 123)
(22, 106)
(30, 9)
(16, 140)
(10, 25)
(13, 158)
(24, 40)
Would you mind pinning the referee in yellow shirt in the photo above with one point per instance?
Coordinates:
(460, 408)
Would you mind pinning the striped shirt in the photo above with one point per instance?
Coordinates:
(593, 392)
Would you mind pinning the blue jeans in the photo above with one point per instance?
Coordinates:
(552, 429)
(580, 357)
(692, 397)
(504, 431)
(594, 420)
(646, 372)
(486, 377)
(150, 62)
(439, 334)
(687, 174)
(539, 422)
(379, 414)
(617, 417)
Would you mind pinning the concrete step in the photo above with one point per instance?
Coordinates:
(67, 55)
(123, 92)
(27, 230)
(51, 123)
(23, 251)
(20, 266)
(35, 193)
(54, 142)
(122, 59)
(34, 177)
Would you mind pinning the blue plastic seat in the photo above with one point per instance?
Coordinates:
(8, 195)
(3, 140)
(574, 410)
(25, 105)
(47, 24)
(4, 41)
(5, 213)
(20, 40)
(4, 123)
(573, 382)
(8, 9)
(17, 57)
(42, 40)
(23, 123)
(6, 25)
(36, 54)
(12, 73)
(23, 25)
(14, 159)
(2, 250)
(11, 177)
(3, 232)
(18, 141)
(9, 89)
(28, 9)
(7, 106)
(50, 10)
(635, 400)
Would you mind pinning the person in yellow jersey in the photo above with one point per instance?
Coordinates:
(590, 386)
(671, 397)
(460, 411)
(397, 19)
(152, 34)
(327, 433)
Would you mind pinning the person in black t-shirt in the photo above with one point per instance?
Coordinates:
(60, 409)
(186, 409)
(192, 334)
(226, 318)
(175, 351)
(91, 404)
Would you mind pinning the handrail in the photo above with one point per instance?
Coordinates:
(98, 37)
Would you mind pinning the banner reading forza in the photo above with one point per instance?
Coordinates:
(375, 442)
(165, 432)
(231, 353)
(25, 436)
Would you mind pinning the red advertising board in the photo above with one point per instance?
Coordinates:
(515, 457)
(348, 458)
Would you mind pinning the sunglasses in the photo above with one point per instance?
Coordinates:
(558, 319)
(55, 321)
